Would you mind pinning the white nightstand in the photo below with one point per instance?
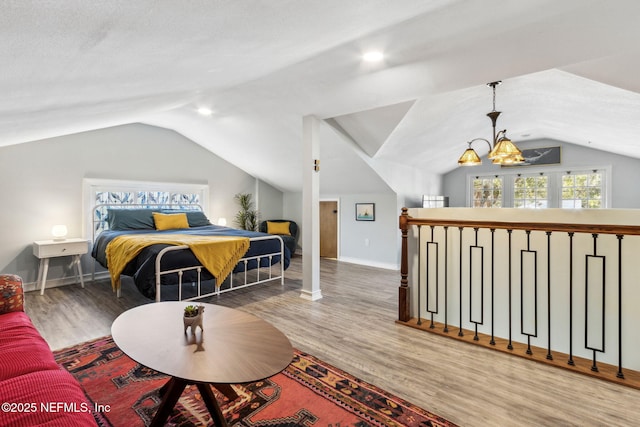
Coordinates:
(45, 249)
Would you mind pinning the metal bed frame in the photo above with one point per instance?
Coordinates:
(99, 224)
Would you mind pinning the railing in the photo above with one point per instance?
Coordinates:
(562, 293)
(262, 262)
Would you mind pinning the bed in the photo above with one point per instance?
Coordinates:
(167, 251)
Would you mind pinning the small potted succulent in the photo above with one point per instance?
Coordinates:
(190, 311)
(193, 317)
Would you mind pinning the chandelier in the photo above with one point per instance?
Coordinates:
(502, 151)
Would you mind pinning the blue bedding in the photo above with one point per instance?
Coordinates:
(142, 268)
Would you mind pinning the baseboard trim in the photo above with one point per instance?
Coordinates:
(311, 296)
(369, 263)
(65, 281)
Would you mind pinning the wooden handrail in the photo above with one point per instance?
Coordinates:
(628, 230)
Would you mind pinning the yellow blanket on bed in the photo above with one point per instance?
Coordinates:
(218, 254)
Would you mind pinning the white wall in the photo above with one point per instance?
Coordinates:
(292, 206)
(41, 184)
(269, 201)
(382, 234)
(372, 243)
(292, 210)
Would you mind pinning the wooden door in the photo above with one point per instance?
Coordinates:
(329, 229)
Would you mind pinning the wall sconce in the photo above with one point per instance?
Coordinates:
(59, 232)
(316, 165)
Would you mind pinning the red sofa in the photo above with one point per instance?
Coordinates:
(34, 390)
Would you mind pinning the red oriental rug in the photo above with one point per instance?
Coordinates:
(309, 392)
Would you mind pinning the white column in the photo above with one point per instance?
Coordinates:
(310, 209)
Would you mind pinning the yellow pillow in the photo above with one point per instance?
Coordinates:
(170, 221)
(278, 228)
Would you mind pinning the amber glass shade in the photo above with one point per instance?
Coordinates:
(510, 160)
(469, 158)
(504, 148)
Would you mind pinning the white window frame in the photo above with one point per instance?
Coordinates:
(555, 182)
(90, 186)
(550, 192)
(586, 171)
(470, 192)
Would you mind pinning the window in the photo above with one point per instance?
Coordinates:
(531, 191)
(487, 192)
(557, 188)
(582, 190)
(98, 192)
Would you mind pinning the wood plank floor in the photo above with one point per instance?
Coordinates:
(353, 327)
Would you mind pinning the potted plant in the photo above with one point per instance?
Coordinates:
(247, 216)
(193, 317)
(190, 311)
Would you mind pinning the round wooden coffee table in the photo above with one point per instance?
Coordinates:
(234, 347)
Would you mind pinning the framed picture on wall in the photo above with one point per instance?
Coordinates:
(540, 156)
(365, 212)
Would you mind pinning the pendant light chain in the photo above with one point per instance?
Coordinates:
(494, 97)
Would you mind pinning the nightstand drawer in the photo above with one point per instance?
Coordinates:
(55, 248)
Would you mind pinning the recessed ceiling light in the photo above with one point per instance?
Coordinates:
(204, 111)
(373, 56)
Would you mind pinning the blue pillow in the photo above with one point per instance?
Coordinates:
(197, 219)
(131, 219)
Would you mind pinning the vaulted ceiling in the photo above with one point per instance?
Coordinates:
(569, 70)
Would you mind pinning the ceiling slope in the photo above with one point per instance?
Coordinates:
(371, 128)
(569, 72)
